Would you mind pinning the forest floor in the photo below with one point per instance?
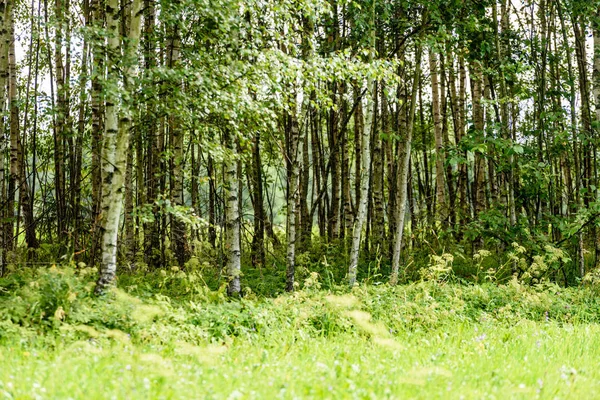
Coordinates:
(170, 339)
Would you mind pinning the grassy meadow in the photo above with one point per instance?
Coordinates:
(424, 340)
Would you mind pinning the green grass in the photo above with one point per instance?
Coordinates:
(474, 361)
(426, 340)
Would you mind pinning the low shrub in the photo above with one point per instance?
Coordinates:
(60, 301)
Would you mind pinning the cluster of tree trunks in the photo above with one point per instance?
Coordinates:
(133, 171)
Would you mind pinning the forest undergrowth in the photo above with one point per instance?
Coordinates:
(169, 335)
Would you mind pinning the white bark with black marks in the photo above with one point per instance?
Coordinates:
(403, 169)
(116, 137)
(232, 218)
(361, 214)
(292, 200)
(5, 23)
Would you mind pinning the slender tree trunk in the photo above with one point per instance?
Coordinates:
(305, 234)
(305, 217)
(359, 126)
(404, 156)
(346, 196)
(425, 189)
(454, 175)
(448, 178)
(587, 154)
(501, 50)
(69, 153)
(478, 191)
(463, 172)
(258, 237)
(293, 162)
(440, 184)
(574, 134)
(580, 52)
(5, 22)
(152, 128)
(26, 192)
(113, 154)
(365, 171)
(596, 93)
(76, 176)
(116, 139)
(400, 125)
(212, 202)
(61, 121)
(15, 168)
(378, 226)
(17, 155)
(179, 233)
(140, 198)
(362, 200)
(129, 242)
(319, 175)
(98, 116)
(232, 218)
(334, 209)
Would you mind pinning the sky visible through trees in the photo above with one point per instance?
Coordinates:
(274, 136)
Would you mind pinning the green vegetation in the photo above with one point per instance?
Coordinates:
(299, 198)
(275, 136)
(166, 336)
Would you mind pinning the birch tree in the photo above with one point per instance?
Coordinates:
(440, 181)
(5, 23)
(404, 156)
(232, 215)
(121, 57)
(363, 200)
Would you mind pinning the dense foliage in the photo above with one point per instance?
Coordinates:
(420, 176)
(282, 138)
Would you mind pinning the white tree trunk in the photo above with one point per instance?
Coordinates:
(292, 200)
(405, 147)
(232, 223)
(596, 72)
(359, 220)
(5, 23)
(116, 139)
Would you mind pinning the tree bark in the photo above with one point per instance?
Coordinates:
(258, 236)
(17, 156)
(62, 129)
(440, 185)
(232, 218)
(5, 22)
(117, 134)
(478, 191)
(212, 202)
(98, 116)
(363, 200)
(378, 225)
(179, 233)
(404, 156)
(15, 167)
(294, 149)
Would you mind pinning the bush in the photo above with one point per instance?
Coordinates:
(60, 301)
